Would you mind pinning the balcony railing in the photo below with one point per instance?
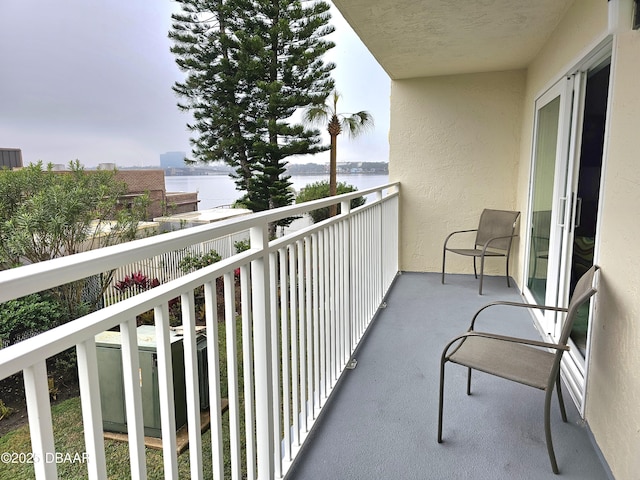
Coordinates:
(305, 301)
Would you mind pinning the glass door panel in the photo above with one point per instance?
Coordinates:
(548, 200)
(586, 188)
(542, 198)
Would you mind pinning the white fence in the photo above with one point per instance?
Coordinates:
(166, 266)
(306, 300)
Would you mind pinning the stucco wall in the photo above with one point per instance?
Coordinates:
(613, 386)
(613, 395)
(454, 145)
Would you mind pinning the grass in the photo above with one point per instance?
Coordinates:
(69, 439)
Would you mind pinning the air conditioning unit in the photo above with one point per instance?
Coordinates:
(108, 346)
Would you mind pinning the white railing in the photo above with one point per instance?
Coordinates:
(306, 300)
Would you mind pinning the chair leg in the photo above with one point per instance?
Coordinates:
(475, 272)
(547, 431)
(507, 270)
(441, 400)
(560, 399)
(481, 272)
(469, 381)
(444, 254)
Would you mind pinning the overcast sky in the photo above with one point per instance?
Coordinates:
(92, 80)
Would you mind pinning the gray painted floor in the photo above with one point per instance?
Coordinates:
(381, 420)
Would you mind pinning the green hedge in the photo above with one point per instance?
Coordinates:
(318, 190)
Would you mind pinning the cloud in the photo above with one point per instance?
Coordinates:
(92, 80)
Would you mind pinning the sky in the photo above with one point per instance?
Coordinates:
(91, 80)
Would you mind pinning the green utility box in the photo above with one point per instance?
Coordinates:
(114, 418)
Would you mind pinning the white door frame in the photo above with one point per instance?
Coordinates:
(574, 366)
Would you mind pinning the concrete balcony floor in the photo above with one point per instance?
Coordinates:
(381, 420)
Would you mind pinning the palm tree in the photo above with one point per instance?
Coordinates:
(353, 123)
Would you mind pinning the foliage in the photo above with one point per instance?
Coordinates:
(192, 262)
(242, 245)
(5, 411)
(136, 282)
(36, 312)
(250, 65)
(46, 214)
(318, 190)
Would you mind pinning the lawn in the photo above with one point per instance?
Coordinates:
(67, 426)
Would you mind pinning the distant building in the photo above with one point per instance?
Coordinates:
(151, 182)
(10, 158)
(172, 160)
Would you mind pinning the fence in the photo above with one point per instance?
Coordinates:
(305, 301)
(166, 266)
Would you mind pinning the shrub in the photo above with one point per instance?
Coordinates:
(192, 262)
(36, 312)
(318, 190)
(242, 245)
(137, 282)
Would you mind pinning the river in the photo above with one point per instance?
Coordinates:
(216, 190)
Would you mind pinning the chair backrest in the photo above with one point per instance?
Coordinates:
(496, 223)
(583, 291)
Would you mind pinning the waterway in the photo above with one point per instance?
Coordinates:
(217, 190)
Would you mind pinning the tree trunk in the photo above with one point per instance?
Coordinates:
(333, 210)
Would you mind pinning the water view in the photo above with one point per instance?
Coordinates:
(217, 190)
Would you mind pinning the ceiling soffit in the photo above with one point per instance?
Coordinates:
(420, 38)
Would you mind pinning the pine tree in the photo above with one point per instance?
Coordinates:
(251, 64)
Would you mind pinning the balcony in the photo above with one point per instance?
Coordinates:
(381, 420)
(301, 308)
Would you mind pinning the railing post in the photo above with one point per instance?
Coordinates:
(345, 210)
(91, 408)
(133, 398)
(39, 412)
(165, 384)
(262, 345)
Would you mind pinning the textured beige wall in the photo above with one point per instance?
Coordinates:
(454, 145)
(613, 395)
(613, 385)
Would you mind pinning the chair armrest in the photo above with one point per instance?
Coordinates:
(515, 304)
(488, 242)
(457, 231)
(524, 341)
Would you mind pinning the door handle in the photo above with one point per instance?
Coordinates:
(560, 221)
(578, 211)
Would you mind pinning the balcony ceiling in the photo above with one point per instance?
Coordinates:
(422, 38)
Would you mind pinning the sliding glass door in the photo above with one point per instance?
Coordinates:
(564, 197)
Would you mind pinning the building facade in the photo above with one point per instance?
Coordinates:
(161, 202)
(10, 158)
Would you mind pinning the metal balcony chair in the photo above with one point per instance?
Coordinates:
(493, 239)
(529, 362)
